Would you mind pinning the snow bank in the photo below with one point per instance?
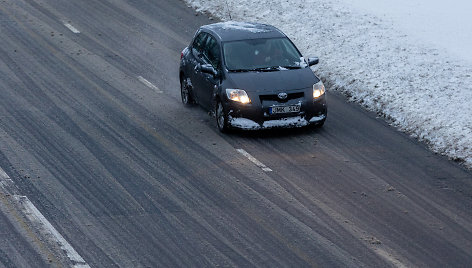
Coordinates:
(415, 84)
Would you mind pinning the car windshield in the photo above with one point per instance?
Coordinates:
(262, 54)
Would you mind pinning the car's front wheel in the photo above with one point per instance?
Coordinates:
(221, 117)
(185, 92)
(320, 124)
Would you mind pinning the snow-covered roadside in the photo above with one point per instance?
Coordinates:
(420, 89)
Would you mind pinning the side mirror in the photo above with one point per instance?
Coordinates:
(207, 68)
(313, 61)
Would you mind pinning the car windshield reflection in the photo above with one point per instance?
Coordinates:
(273, 54)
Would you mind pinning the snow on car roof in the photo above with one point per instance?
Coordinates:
(236, 30)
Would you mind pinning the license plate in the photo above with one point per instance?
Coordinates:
(284, 109)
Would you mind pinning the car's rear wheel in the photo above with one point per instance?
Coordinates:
(221, 117)
(185, 92)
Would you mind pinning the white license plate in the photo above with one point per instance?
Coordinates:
(284, 109)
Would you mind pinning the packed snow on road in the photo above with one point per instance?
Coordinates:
(408, 60)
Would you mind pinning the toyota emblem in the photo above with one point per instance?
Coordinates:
(282, 95)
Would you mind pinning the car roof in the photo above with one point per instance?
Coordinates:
(235, 30)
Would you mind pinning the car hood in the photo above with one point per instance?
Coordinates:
(275, 81)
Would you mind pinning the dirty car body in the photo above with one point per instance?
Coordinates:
(252, 77)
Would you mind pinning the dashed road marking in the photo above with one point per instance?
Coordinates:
(6, 183)
(72, 28)
(33, 214)
(38, 220)
(254, 160)
(149, 84)
(3, 174)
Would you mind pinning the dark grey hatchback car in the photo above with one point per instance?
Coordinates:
(252, 77)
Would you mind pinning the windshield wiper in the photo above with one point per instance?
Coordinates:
(266, 69)
(262, 69)
(291, 67)
(239, 70)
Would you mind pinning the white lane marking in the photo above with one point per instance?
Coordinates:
(3, 174)
(149, 84)
(72, 28)
(388, 257)
(254, 160)
(33, 214)
(5, 182)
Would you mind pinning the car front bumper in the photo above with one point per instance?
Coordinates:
(256, 116)
(286, 122)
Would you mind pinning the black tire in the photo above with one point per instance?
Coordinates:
(185, 93)
(221, 117)
(320, 123)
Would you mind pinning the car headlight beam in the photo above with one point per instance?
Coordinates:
(318, 90)
(238, 95)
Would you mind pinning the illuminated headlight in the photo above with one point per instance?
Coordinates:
(318, 90)
(238, 95)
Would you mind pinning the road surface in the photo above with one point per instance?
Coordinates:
(102, 166)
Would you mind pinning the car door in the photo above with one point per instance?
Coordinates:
(195, 61)
(208, 84)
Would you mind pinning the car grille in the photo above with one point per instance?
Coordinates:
(274, 97)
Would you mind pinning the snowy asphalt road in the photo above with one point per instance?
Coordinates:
(93, 133)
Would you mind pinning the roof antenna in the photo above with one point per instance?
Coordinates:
(229, 11)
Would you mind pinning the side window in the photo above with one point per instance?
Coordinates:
(212, 51)
(198, 43)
